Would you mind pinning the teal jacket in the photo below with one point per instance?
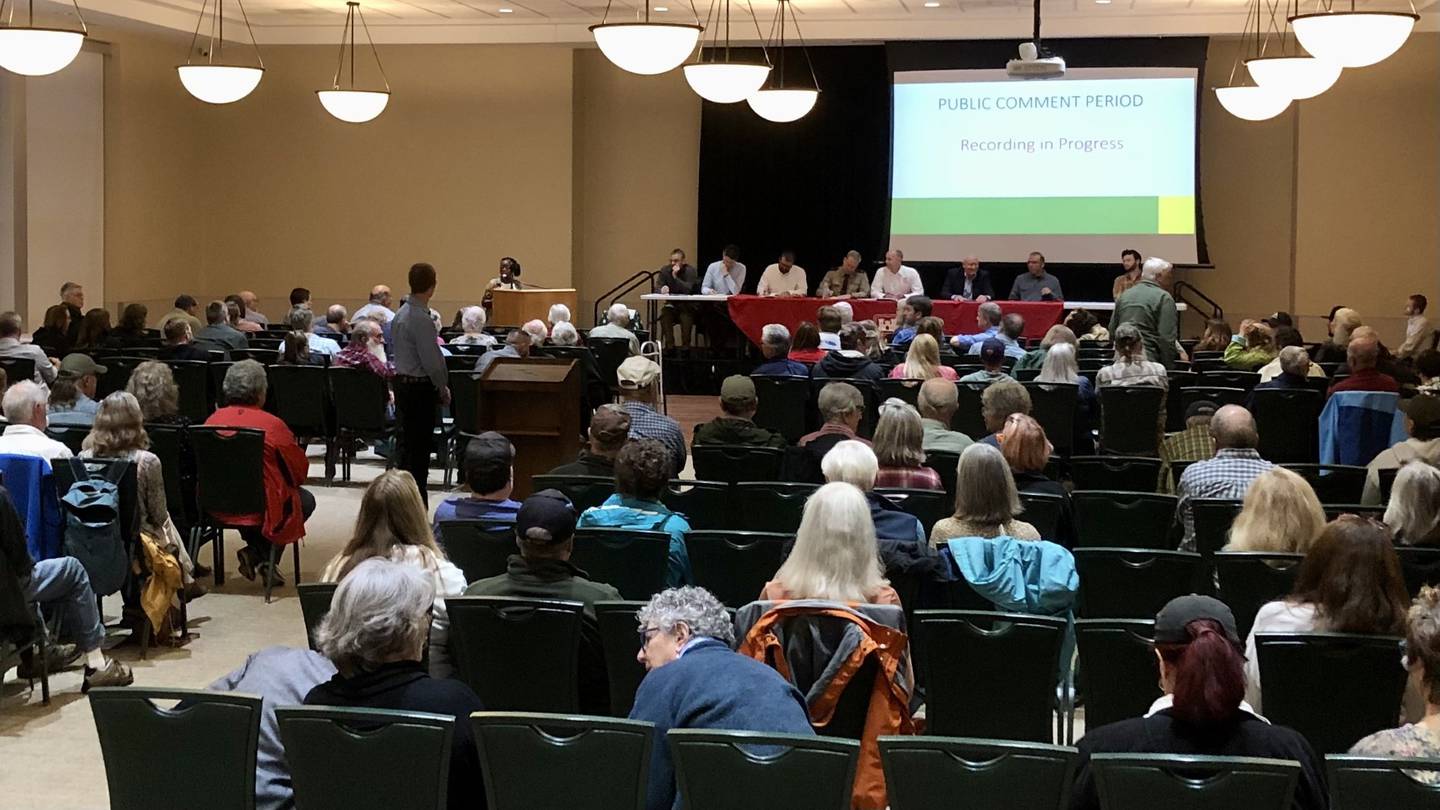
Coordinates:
(620, 512)
(1018, 576)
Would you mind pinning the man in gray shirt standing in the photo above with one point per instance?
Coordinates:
(1035, 284)
(421, 382)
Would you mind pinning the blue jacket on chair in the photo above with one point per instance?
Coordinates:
(32, 488)
(1357, 425)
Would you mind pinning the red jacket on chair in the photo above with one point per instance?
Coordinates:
(285, 470)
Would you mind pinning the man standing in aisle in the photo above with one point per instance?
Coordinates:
(421, 382)
(1035, 284)
(1152, 310)
(784, 278)
(896, 281)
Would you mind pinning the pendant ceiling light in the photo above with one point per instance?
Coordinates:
(216, 82)
(1290, 72)
(646, 47)
(726, 80)
(775, 101)
(347, 103)
(1249, 102)
(32, 50)
(1353, 38)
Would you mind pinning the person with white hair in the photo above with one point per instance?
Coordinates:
(1422, 426)
(775, 347)
(537, 330)
(835, 556)
(564, 333)
(366, 350)
(375, 634)
(1413, 513)
(854, 463)
(559, 313)
(847, 312)
(617, 325)
(472, 320)
(26, 407)
(1151, 309)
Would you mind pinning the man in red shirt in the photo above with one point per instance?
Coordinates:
(1362, 355)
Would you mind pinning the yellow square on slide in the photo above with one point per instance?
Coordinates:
(1176, 214)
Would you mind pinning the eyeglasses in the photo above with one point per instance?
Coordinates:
(647, 633)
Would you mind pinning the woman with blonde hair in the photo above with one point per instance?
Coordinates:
(899, 435)
(986, 502)
(922, 361)
(1281, 514)
(835, 557)
(1414, 509)
(392, 525)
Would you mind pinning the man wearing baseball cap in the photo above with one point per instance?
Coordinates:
(1422, 422)
(736, 424)
(545, 534)
(71, 395)
(1194, 443)
(609, 430)
(1202, 710)
(639, 380)
(992, 356)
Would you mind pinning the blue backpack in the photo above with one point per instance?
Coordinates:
(92, 526)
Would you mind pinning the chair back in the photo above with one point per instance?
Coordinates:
(1179, 782)
(72, 436)
(479, 548)
(733, 463)
(465, 401)
(771, 506)
(517, 654)
(1288, 420)
(968, 418)
(192, 378)
(1124, 519)
(782, 405)
(907, 391)
(635, 562)
(734, 566)
(1246, 580)
(928, 772)
(705, 504)
(300, 396)
(584, 763)
(18, 369)
(1304, 676)
(116, 376)
(1055, 406)
(724, 770)
(1420, 565)
(1134, 583)
(360, 399)
(1362, 783)
(1118, 675)
(209, 747)
(619, 639)
(1043, 511)
(1130, 419)
(946, 464)
(609, 354)
(315, 598)
(1212, 518)
(927, 505)
(1387, 481)
(989, 674)
(584, 491)
(168, 444)
(342, 757)
(1333, 483)
(229, 469)
(1231, 378)
(1123, 473)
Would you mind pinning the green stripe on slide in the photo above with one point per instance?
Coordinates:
(1024, 215)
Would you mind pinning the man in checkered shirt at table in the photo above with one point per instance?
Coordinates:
(1229, 473)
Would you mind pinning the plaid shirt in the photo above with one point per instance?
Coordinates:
(356, 356)
(645, 423)
(1227, 475)
(908, 478)
(1125, 371)
(1191, 444)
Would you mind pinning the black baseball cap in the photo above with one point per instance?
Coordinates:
(549, 511)
(992, 351)
(1171, 621)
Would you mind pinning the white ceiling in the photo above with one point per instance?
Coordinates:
(566, 21)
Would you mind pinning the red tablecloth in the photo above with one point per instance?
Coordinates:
(751, 312)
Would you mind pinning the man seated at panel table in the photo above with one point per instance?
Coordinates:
(775, 347)
(725, 277)
(784, 278)
(677, 277)
(1035, 284)
(1012, 326)
(896, 280)
(845, 281)
(967, 282)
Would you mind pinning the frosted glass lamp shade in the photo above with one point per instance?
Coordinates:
(647, 48)
(354, 106)
(1353, 38)
(726, 82)
(782, 106)
(220, 84)
(1298, 77)
(38, 51)
(1252, 103)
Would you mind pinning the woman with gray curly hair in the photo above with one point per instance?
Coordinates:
(1422, 658)
(375, 634)
(697, 681)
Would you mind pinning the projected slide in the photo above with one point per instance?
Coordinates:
(1078, 168)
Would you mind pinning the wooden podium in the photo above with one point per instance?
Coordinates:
(534, 403)
(515, 307)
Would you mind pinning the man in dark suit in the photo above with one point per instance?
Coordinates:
(967, 282)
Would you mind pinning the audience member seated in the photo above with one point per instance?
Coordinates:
(287, 504)
(935, 328)
(1418, 333)
(132, 330)
(153, 384)
(922, 361)
(235, 310)
(303, 320)
(489, 470)
(775, 348)
(988, 503)
(1054, 336)
(517, 345)
(1216, 337)
(539, 334)
(1229, 474)
(1281, 515)
(377, 307)
(218, 333)
(1194, 443)
(1385, 362)
(899, 437)
(911, 311)
(559, 313)
(366, 350)
(336, 324)
(938, 402)
(1061, 366)
(1203, 710)
(850, 362)
(1343, 321)
(375, 635)
(1413, 513)
(847, 312)
(842, 407)
(992, 356)
(1349, 582)
(95, 331)
(186, 309)
(25, 405)
(1427, 368)
(1422, 423)
(1295, 367)
(829, 322)
(295, 351)
(835, 557)
(392, 526)
(872, 345)
(1252, 348)
(805, 348)
(564, 334)
(997, 402)
(472, 320)
(545, 534)
(61, 586)
(642, 471)
(617, 325)
(855, 464)
(1086, 327)
(10, 346)
(1362, 357)
(1130, 366)
(71, 394)
(1287, 337)
(639, 391)
(987, 320)
(54, 336)
(696, 681)
(736, 424)
(1012, 326)
(1027, 450)
(1419, 740)
(179, 343)
(609, 430)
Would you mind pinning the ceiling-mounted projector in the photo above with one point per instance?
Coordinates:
(1031, 64)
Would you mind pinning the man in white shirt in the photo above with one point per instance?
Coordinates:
(783, 278)
(303, 320)
(725, 277)
(10, 346)
(896, 280)
(378, 309)
(1417, 328)
(25, 405)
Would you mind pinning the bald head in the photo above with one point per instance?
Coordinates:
(1232, 426)
(1362, 353)
(938, 399)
